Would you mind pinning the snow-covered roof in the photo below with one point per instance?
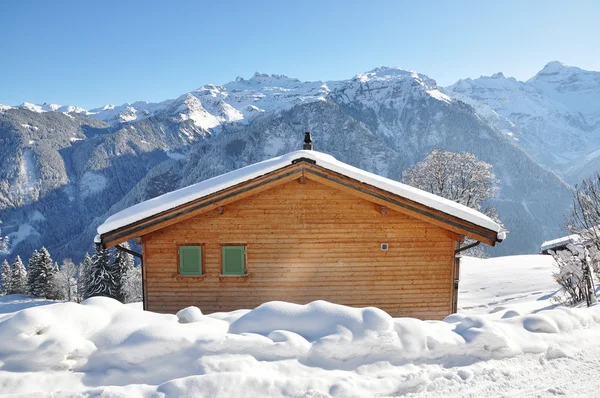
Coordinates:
(559, 242)
(185, 195)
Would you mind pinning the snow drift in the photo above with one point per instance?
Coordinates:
(321, 349)
(102, 342)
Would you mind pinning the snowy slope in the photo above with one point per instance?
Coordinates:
(501, 284)
(554, 116)
(104, 348)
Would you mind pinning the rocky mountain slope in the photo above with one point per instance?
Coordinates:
(73, 169)
(554, 116)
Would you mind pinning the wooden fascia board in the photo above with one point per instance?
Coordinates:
(202, 205)
(400, 204)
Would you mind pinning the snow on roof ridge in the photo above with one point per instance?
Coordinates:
(201, 189)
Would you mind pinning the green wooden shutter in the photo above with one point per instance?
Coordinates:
(190, 260)
(233, 260)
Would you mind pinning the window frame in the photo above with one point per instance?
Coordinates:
(202, 259)
(234, 244)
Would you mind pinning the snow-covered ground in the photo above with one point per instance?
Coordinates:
(508, 339)
(518, 283)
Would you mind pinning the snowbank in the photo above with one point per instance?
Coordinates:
(321, 349)
(276, 349)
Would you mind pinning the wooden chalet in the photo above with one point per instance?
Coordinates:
(298, 228)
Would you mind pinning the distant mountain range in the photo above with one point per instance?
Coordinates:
(65, 169)
(554, 116)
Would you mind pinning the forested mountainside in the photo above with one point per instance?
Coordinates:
(66, 171)
(60, 171)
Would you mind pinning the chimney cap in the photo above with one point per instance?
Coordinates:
(307, 141)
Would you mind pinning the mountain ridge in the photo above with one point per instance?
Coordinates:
(383, 121)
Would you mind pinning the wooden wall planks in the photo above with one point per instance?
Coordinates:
(306, 242)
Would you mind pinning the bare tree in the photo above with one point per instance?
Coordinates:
(460, 177)
(585, 215)
(584, 221)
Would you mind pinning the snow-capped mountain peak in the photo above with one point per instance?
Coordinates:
(386, 84)
(386, 73)
(554, 68)
(189, 107)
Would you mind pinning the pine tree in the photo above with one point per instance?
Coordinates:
(83, 277)
(42, 273)
(6, 279)
(102, 277)
(19, 277)
(33, 275)
(4, 242)
(121, 264)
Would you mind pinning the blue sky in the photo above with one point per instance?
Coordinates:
(94, 53)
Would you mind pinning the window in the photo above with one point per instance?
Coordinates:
(190, 260)
(234, 260)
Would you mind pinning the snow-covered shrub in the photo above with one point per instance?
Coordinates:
(575, 274)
